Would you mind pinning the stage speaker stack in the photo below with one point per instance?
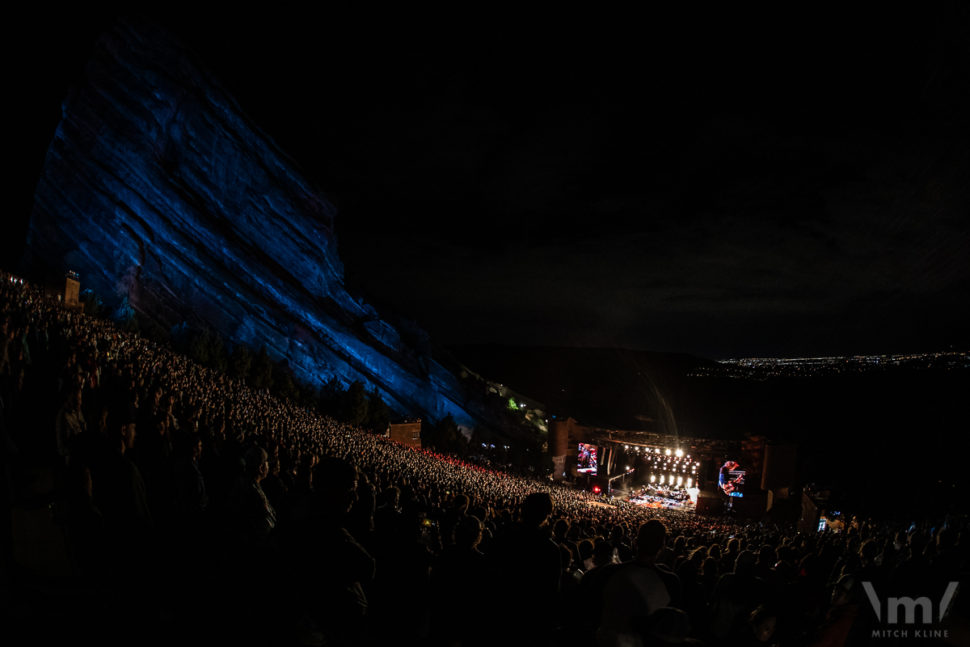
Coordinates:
(808, 522)
(710, 503)
(780, 467)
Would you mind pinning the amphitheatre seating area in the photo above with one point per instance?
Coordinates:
(156, 501)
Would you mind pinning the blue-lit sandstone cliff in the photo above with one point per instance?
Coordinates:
(157, 189)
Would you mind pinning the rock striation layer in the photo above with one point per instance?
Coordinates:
(161, 193)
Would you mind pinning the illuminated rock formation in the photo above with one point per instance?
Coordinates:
(159, 191)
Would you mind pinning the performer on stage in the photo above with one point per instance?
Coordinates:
(724, 480)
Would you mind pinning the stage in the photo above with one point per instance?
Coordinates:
(662, 498)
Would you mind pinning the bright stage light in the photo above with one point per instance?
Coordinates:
(680, 479)
(667, 452)
(678, 453)
(653, 478)
(688, 482)
(661, 479)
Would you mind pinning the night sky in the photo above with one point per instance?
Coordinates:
(786, 183)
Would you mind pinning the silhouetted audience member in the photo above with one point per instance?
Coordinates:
(636, 590)
(760, 628)
(457, 595)
(331, 568)
(70, 423)
(736, 595)
(256, 517)
(526, 572)
(586, 616)
(83, 523)
(191, 494)
(119, 488)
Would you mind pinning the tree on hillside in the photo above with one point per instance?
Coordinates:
(240, 362)
(261, 371)
(330, 397)
(203, 346)
(284, 386)
(378, 413)
(355, 404)
(217, 351)
(306, 394)
(151, 329)
(124, 317)
(91, 302)
(445, 436)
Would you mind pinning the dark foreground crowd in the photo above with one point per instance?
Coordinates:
(194, 510)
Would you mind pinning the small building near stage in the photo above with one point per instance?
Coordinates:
(407, 433)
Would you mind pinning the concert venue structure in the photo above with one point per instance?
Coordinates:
(667, 471)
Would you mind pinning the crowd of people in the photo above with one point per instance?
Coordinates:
(193, 507)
